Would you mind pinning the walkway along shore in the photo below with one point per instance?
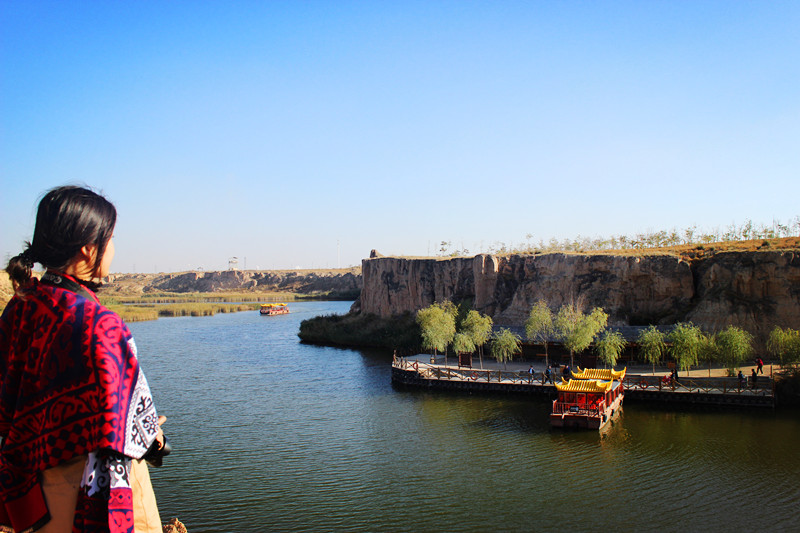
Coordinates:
(640, 382)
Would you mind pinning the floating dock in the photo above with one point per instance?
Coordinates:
(722, 391)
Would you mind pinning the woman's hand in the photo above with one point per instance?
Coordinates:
(160, 435)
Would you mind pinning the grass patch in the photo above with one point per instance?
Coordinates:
(204, 309)
(166, 304)
(398, 332)
(139, 313)
(135, 313)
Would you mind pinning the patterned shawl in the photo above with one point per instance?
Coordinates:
(70, 385)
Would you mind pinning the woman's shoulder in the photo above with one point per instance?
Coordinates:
(107, 317)
(86, 304)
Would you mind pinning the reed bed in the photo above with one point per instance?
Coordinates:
(204, 309)
(139, 313)
(135, 313)
(198, 297)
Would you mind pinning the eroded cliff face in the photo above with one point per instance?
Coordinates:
(399, 284)
(755, 290)
(299, 281)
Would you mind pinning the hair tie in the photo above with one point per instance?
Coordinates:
(27, 258)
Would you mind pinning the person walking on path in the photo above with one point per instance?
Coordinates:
(760, 363)
(78, 468)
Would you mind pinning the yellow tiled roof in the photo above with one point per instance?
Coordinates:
(584, 385)
(599, 373)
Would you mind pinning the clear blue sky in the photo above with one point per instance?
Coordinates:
(306, 133)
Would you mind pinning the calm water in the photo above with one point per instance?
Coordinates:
(273, 435)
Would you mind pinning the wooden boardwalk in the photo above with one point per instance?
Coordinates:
(723, 391)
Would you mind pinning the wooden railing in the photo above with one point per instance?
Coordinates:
(440, 372)
(583, 410)
(764, 385)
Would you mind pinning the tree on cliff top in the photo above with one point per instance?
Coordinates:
(505, 343)
(578, 330)
(539, 326)
(438, 326)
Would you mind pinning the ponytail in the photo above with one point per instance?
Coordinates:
(20, 269)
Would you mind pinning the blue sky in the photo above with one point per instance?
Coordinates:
(308, 133)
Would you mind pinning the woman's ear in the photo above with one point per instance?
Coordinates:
(88, 253)
(82, 266)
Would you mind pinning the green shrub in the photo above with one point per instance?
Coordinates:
(399, 332)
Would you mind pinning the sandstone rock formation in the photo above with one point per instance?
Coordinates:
(298, 281)
(752, 289)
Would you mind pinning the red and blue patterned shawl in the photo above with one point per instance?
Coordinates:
(70, 385)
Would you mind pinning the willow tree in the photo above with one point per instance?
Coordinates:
(609, 347)
(479, 329)
(462, 343)
(438, 327)
(539, 326)
(735, 345)
(505, 344)
(685, 342)
(709, 350)
(577, 330)
(785, 345)
(652, 346)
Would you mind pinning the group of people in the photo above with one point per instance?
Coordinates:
(547, 375)
(759, 369)
(77, 419)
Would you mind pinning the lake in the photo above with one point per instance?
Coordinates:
(273, 435)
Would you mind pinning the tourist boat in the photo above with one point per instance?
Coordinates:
(274, 309)
(590, 399)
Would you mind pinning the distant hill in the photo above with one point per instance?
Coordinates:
(333, 282)
(342, 283)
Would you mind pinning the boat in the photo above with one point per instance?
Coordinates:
(590, 399)
(274, 309)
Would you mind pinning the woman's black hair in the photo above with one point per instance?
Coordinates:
(68, 219)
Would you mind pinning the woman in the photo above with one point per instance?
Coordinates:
(76, 413)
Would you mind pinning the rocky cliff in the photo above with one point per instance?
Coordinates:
(335, 281)
(752, 289)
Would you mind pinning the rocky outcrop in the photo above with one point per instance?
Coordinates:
(755, 289)
(337, 281)
(399, 284)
